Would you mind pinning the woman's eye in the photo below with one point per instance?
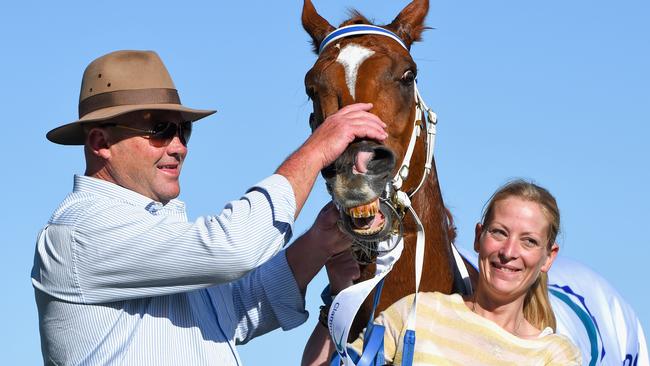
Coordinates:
(408, 77)
(530, 242)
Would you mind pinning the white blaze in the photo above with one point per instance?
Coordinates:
(351, 57)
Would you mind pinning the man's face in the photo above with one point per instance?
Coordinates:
(146, 165)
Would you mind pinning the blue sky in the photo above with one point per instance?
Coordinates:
(553, 91)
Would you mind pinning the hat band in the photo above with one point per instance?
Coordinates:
(128, 97)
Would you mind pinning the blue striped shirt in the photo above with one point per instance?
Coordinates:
(122, 279)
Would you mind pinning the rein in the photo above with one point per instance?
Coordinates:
(346, 304)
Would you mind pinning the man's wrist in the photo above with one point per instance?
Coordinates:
(313, 153)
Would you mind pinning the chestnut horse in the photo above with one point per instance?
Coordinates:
(373, 68)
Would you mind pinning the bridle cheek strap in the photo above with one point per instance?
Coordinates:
(428, 121)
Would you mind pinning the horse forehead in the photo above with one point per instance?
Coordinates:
(351, 57)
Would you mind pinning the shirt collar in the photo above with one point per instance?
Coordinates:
(100, 187)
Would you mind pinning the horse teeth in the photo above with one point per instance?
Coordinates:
(357, 212)
(363, 211)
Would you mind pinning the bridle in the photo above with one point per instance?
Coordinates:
(421, 121)
(393, 197)
(347, 303)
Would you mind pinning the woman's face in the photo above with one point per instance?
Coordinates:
(513, 248)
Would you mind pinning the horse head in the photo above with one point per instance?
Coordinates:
(369, 68)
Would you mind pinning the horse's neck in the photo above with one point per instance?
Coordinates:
(437, 274)
(438, 259)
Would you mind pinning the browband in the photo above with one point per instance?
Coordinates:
(359, 29)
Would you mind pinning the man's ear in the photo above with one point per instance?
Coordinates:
(99, 143)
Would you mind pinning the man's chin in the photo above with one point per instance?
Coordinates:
(168, 194)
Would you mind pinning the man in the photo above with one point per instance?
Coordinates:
(122, 277)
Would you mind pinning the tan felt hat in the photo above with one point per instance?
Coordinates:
(122, 82)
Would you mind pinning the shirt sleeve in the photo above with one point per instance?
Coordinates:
(563, 352)
(115, 251)
(266, 299)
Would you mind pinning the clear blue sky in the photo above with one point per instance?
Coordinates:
(555, 91)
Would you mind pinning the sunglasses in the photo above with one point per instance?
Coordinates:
(162, 133)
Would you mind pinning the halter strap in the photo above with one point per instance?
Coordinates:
(357, 30)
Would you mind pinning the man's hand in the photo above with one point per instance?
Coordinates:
(327, 232)
(307, 255)
(342, 271)
(325, 145)
(334, 135)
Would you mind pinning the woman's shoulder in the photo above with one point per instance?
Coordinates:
(564, 351)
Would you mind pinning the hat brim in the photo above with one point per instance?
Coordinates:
(73, 133)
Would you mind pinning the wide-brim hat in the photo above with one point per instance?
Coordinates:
(122, 82)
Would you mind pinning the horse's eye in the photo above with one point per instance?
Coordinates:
(408, 77)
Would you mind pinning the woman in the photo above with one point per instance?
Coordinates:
(508, 319)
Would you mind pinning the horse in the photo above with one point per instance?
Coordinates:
(369, 67)
(372, 69)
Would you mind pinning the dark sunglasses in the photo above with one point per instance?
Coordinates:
(162, 133)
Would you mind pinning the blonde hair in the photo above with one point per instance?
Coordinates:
(537, 306)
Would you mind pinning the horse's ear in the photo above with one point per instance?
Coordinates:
(314, 24)
(409, 24)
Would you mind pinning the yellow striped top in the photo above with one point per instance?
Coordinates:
(449, 333)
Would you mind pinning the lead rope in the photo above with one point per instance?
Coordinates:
(409, 336)
(346, 304)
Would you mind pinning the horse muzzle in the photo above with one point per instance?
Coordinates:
(357, 182)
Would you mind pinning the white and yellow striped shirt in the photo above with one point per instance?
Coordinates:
(448, 333)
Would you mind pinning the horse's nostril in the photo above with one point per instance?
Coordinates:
(383, 160)
(382, 153)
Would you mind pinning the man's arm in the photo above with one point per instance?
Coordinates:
(325, 145)
(273, 295)
(308, 254)
(104, 250)
(342, 270)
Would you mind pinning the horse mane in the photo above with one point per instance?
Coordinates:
(355, 17)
